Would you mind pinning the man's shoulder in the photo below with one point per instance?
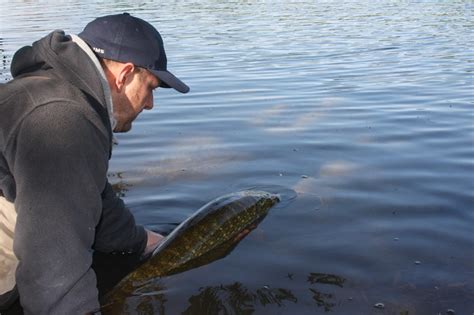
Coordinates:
(22, 96)
(41, 89)
(47, 102)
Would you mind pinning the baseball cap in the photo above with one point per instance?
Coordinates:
(126, 38)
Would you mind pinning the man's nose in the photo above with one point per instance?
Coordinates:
(149, 104)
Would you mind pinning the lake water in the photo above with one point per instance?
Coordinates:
(363, 109)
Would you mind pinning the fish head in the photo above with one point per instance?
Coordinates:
(265, 201)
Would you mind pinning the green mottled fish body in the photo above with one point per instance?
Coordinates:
(213, 228)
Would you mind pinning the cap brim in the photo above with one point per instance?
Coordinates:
(168, 80)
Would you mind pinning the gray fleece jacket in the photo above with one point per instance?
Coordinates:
(55, 143)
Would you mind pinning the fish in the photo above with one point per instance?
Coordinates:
(209, 234)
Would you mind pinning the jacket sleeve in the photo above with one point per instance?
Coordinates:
(60, 173)
(117, 231)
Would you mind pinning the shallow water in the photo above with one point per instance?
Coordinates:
(365, 111)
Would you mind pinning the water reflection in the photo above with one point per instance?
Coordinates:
(236, 298)
(186, 164)
(324, 299)
(149, 304)
(4, 71)
(323, 278)
(120, 187)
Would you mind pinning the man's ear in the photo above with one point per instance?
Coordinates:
(123, 75)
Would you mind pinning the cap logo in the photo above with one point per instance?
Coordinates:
(98, 50)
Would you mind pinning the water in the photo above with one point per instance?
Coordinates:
(365, 110)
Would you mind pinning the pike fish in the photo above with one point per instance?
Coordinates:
(209, 234)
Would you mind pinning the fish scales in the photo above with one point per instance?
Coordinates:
(209, 234)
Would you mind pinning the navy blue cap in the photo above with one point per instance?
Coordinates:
(126, 38)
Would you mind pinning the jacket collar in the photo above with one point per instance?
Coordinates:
(103, 79)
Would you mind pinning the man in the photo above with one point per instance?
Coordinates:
(56, 121)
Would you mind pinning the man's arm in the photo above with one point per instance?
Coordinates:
(59, 170)
(117, 231)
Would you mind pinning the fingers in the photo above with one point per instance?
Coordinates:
(153, 240)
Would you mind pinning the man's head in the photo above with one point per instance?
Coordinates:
(131, 88)
(134, 59)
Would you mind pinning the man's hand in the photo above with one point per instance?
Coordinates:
(154, 239)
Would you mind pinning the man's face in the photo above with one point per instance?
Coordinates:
(136, 95)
